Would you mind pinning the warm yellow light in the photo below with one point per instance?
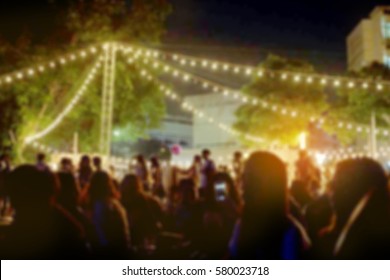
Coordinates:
(302, 141)
(320, 158)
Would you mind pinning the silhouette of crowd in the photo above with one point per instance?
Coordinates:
(247, 210)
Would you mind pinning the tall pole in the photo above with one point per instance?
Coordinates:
(373, 142)
(111, 98)
(75, 144)
(103, 114)
(108, 96)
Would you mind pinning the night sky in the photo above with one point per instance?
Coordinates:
(299, 24)
(295, 27)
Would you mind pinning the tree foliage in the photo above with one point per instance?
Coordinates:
(347, 105)
(357, 104)
(275, 127)
(29, 106)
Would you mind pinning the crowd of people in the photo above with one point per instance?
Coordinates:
(248, 211)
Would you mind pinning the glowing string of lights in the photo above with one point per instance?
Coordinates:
(40, 68)
(240, 69)
(382, 152)
(237, 95)
(79, 93)
(44, 148)
(190, 108)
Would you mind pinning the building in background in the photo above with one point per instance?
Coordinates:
(222, 110)
(370, 40)
(174, 130)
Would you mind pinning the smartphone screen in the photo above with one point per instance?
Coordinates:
(220, 191)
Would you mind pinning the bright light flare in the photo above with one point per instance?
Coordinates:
(320, 158)
(302, 141)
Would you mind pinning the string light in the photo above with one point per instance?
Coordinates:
(43, 148)
(248, 70)
(180, 74)
(32, 140)
(80, 92)
(201, 114)
(32, 71)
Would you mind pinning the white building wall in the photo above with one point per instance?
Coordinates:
(368, 42)
(208, 135)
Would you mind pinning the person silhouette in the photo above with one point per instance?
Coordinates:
(41, 228)
(265, 230)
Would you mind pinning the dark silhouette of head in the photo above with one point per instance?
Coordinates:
(237, 156)
(97, 163)
(102, 187)
(140, 159)
(206, 154)
(197, 158)
(69, 193)
(265, 184)
(41, 157)
(359, 186)
(66, 164)
(31, 189)
(352, 180)
(85, 162)
(154, 162)
(264, 216)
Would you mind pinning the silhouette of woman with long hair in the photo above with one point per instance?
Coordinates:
(265, 230)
